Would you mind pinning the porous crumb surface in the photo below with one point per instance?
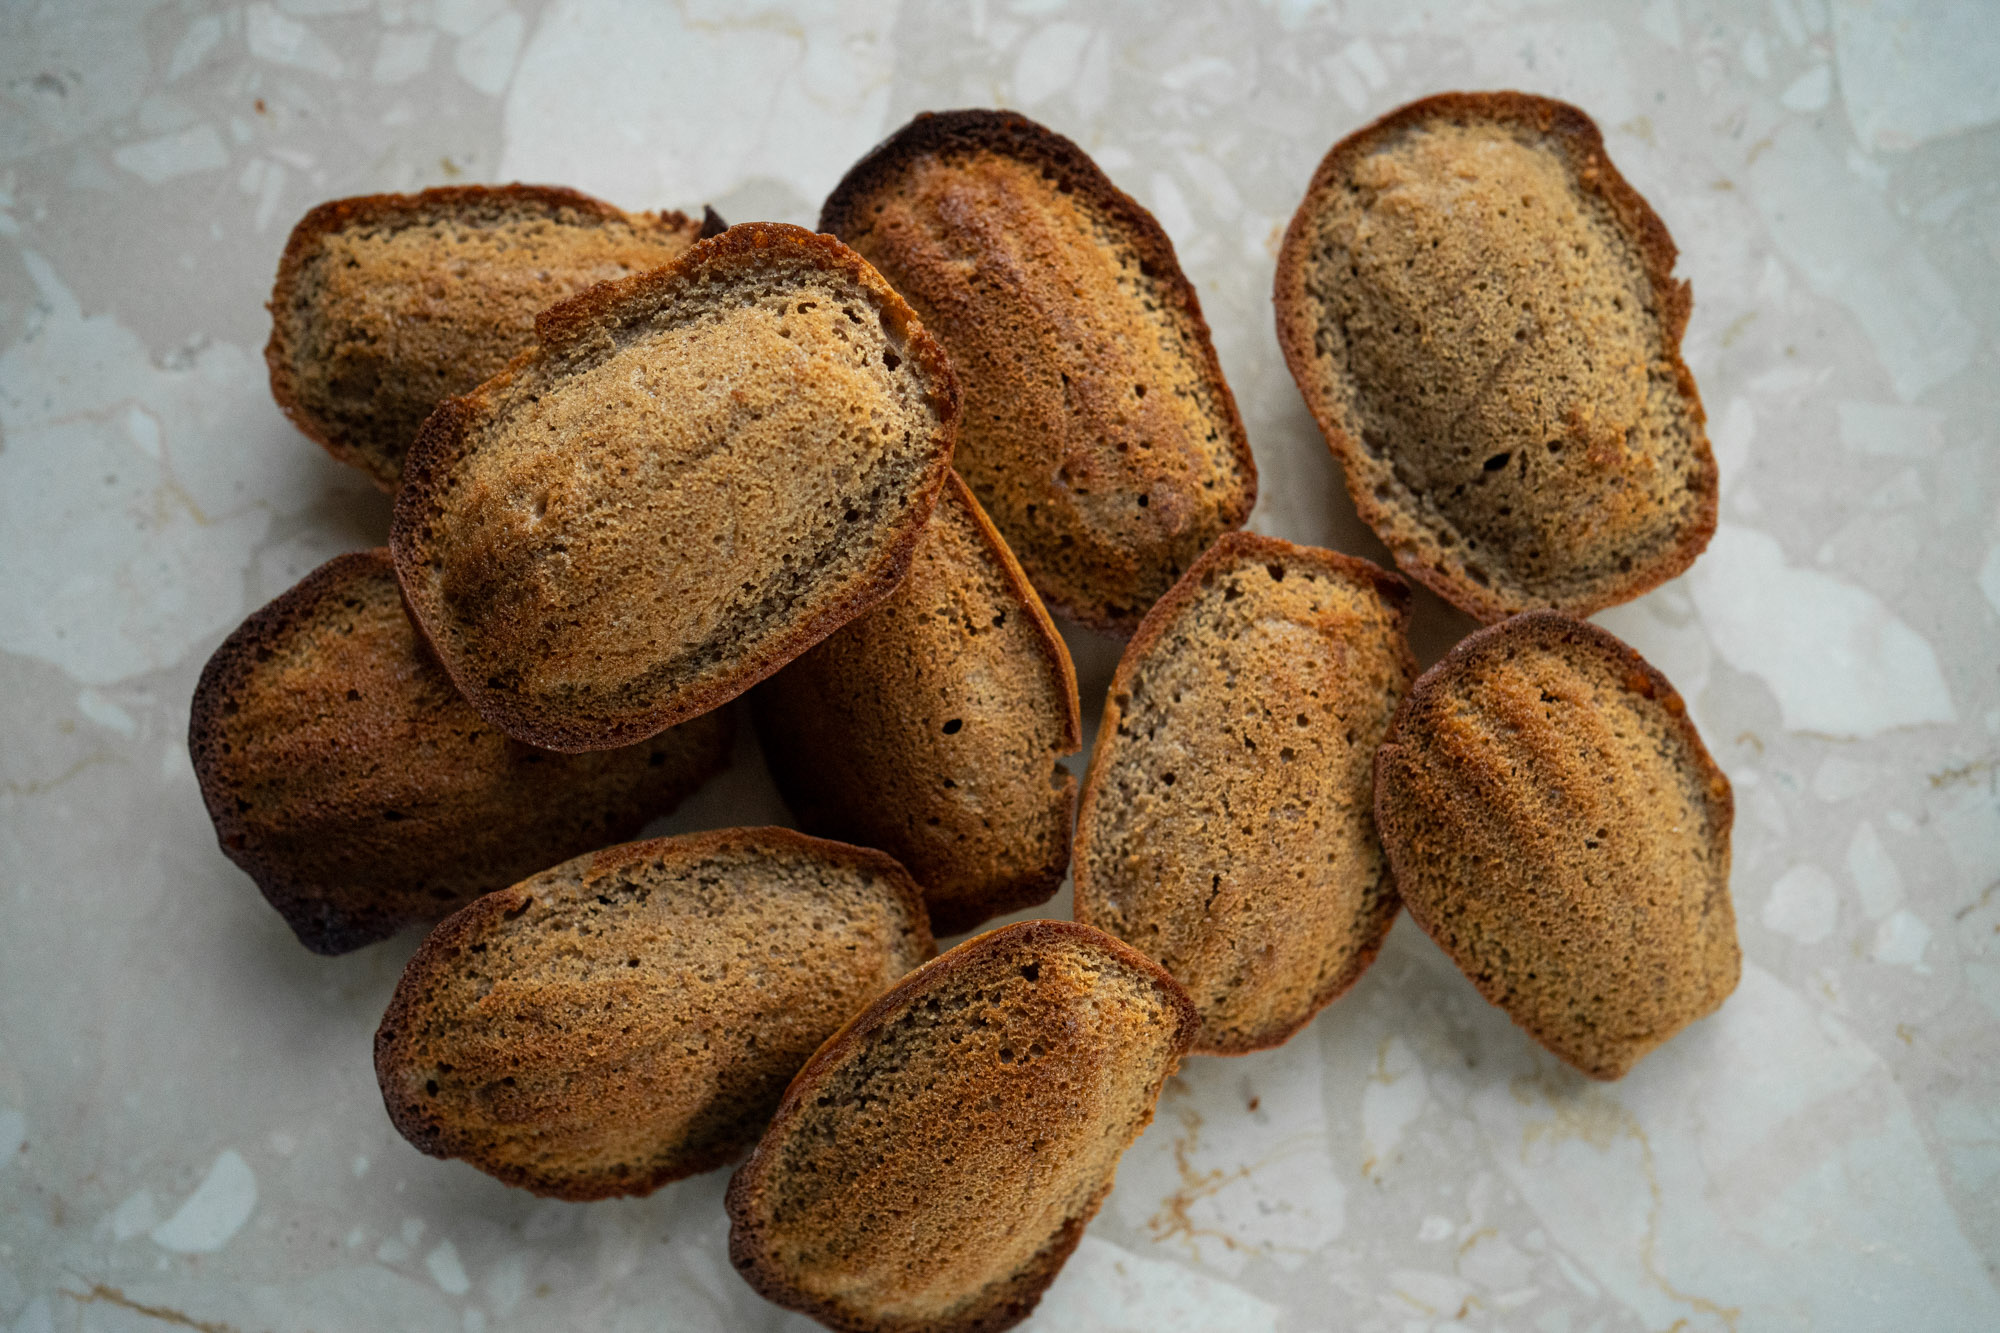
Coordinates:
(1099, 432)
(933, 727)
(937, 1161)
(632, 1017)
(1482, 316)
(695, 476)
(349, 779)
(1228, 824)
(1556, 824)
(387, 304)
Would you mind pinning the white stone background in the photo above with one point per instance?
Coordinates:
(189, 1126)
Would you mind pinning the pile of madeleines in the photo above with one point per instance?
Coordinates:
(644, 464)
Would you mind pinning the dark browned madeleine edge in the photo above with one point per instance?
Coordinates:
(1593, 171)
(745, 1251)
(441, 445)
(1230, 550)
(337, 215)
(1057, 652)
(962, 914)
(467, 925)
(632, 299)
(228, 670)
(952, 918)
(1543, 628)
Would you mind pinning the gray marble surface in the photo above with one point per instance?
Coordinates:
(189, 1128)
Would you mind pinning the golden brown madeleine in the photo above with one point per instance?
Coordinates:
(933, 727)
(1483, 318)
(351, 781)
(936, 1161)
(386, 304)
(1228, 821)
(696, 475)
(1555, 823)
(632, 1017)
(1099, 432)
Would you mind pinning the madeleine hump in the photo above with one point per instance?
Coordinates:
(1099, 432)
(1228, 820)
(933, 727)
(1556, 825)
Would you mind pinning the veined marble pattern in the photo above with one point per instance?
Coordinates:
(189, 1127)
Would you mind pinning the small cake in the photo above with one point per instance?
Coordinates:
(388, 303)
(1099, 432)
(1228, 821)
(1557, 826)
(347, 777)
(933, 727)
(937, 1160)
(632, 1017)
(697, 474)
(1483, 318)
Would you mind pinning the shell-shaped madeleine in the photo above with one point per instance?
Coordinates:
(931, 727)
(694, 476)
(349, 779)
(938, 1159)
(1099, 431)
(1483, 318)
(1227, 828)
(387, 303)
(632, 1017)
(1555, 823)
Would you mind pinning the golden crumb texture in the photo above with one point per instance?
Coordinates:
(1228, 824)
(348, 778)
(633, 1016)
(694, 476)
(1555, 823)
(1099, 432)
(936, 1161)
(1483, 318)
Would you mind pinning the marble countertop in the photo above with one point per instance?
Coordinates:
(190, 1132)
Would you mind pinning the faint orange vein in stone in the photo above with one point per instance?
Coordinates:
(100, 1292)
(1597, 1119)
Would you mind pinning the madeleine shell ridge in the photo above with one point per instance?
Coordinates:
(1557, 826)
